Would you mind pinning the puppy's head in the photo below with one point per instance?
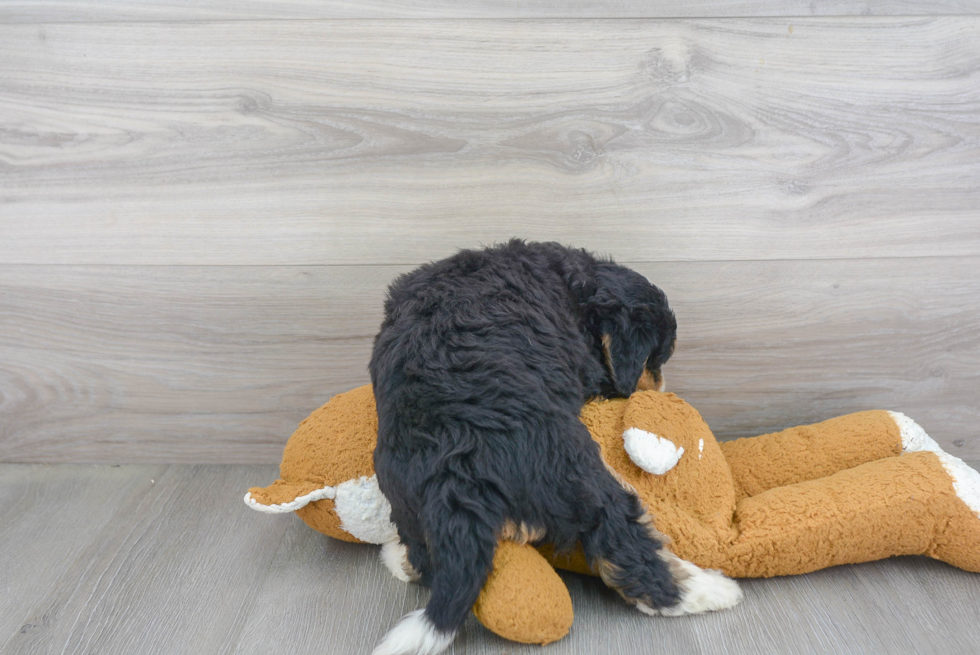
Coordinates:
(636, 327)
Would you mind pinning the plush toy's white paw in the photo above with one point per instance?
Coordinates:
(703, 590)
(651, 453)
(414, 635)
(966, 480)
(394, 554)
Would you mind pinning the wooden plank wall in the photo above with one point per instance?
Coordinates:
(128, 10)
(198, 218)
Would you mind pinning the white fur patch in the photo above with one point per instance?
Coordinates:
(704, 590)
(292, 506)
(364, 511)
(414, 635)
(966, 480)
(394, 555)
(700, 447)
(651, 453)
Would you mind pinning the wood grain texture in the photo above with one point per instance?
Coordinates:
(394, 142)
(15, 11)
(174, 571)
(122, 565)
(866, 608)
(50, 517)
(324, 595)
(219, 364)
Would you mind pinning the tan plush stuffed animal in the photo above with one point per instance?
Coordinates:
(856, 488)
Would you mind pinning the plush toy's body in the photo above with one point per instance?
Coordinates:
(856, 488)
(795, 501)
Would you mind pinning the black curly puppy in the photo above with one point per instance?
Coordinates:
(480, 371)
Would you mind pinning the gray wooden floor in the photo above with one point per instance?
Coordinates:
(167, 559)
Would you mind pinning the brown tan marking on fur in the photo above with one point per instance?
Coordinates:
(521, 534)
(677, 570)
(623, 482)
(650, 381)
(607, 350)
(647, 519)
(647, 522)
(609, 573)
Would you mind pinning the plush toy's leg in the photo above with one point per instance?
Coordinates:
(524, 599)
(960, 545)
(813, 451)
(908, 505)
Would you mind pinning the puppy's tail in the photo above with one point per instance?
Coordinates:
(461, 539)
(415, 634)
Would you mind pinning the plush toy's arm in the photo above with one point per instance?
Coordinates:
(524, 599)
(650, 452)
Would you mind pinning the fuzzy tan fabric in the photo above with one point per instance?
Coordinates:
(524, 584)
(350, 421)
(893, 506)
(321, 517)
(789, 502)
(332, 445)
(693, 503)
(809, 452)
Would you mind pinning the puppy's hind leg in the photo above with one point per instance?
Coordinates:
(702, 590)
(394, 555)
(461, 544)
(626, 552)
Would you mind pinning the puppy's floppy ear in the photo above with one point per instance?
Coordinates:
(635, 325)
(626, 346)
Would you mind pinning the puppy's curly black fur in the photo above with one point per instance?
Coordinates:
(480, 371)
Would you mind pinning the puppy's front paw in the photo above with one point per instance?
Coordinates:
(702, 590)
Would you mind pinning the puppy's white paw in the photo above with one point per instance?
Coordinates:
(703, 590)
(394, 554)
(414, 635)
